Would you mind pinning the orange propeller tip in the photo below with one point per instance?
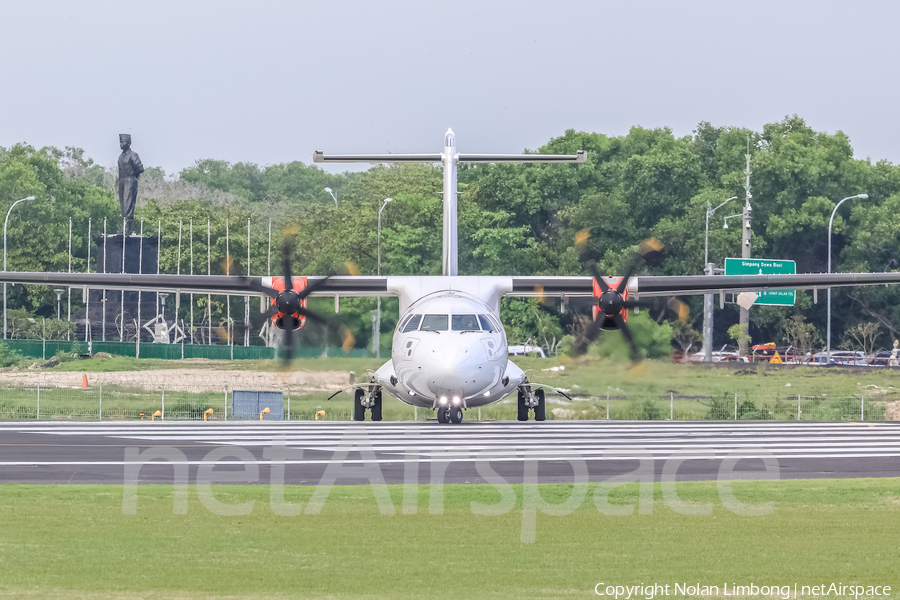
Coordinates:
(582, 236)
(349, 341)
(651, 245)
(352, 268)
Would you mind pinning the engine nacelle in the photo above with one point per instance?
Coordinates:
(294, 321)
(608, 324)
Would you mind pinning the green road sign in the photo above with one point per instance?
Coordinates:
(765, 266)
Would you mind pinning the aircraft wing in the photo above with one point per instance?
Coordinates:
(553, 286)
(343, 285)
(691, 285)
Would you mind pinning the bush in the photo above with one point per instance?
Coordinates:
(8, 356)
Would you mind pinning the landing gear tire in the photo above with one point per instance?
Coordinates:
(376, 408)
(443, 414)
(456, 415)
(523, 410)
(540, 411)
(359, 411)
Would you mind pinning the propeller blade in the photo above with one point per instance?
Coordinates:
(589, 335)
(648, 304)
(629, 271)
(633, 351)
(313, 286)
(286, 263)
(348, 341)
(598, 277)
(305, 312)
(256, 286)
(260, 318)
(287, 346)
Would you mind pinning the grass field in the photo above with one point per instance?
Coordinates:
(652, 390)
(74, 542)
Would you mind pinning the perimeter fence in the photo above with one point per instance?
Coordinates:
(207, 403)
(46, 349)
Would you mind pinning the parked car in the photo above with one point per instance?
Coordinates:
(880, 358)
(841, 357)
(532, 351)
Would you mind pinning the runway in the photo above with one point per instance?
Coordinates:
(72, 452)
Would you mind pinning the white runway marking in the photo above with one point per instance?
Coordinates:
(553, 441)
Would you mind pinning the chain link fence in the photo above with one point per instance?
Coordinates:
(730, 407)
(180, 402)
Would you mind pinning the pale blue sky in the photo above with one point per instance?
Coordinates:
(269, 82)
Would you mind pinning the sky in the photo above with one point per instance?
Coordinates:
(269, 82)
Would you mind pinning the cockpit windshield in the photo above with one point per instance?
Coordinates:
(485, 324)
(434, 323)
(411, 324)
(464, 323)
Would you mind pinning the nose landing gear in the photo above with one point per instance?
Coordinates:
(532, 399)
(450, 414)
(367, 398)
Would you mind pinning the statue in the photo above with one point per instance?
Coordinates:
(894, 360)
(130, 168)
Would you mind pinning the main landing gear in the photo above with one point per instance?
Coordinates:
(530, 399)
(450, 414)
(367, 399)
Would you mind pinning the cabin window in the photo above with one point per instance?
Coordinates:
(464, 323)
(434, 323)
(412, 323)
(485, 324)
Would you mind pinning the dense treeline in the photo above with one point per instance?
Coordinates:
(513, 219)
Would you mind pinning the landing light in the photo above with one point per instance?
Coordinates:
(443, 399)
(488, 393)
(455, 399)
(412, 393)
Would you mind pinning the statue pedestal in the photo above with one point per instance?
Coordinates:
(123, 254)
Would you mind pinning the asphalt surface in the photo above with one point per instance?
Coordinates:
(398, 452)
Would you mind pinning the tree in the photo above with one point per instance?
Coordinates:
(862, 336)
(684, 335)
(739, 334)
(802, 336)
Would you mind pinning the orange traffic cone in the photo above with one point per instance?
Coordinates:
(84, 382)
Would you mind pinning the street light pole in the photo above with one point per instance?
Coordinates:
(708, 298)
(4, 257)
(328, 189)
(378, 310)
(828, 334)
(59, 293)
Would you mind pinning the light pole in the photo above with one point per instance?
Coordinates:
(708, 298)
(4, 257)
(828, 334)
(328, 189)
(710, 211)
(378, 310)
(58, 298)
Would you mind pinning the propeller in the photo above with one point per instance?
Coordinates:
(289, 303)
(612, 301)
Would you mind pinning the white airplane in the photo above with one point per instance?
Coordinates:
(449, 350)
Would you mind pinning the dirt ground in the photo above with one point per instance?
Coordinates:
(194, 380)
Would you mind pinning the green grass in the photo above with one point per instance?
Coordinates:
(74, 541)
(643, 392)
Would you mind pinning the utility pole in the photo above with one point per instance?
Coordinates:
(709, 269)
(708, 318)
(745, 249)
